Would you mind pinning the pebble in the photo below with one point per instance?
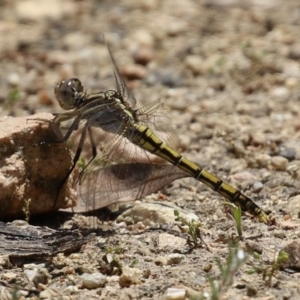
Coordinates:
(194, 63)
(130, 276)
(279, 234)
(279, 163)
(13, 79)
(143, 55)
(251, 290)
(254, 246)
(9, 276)
(280, 92)
(287, 152)
(166, 240)
(175, 258)
(293, 250)
(263, 160)
(175, 294)
(295, 51)
(157, 212)
(291, 82)
(133, 71)
(49, 294)
(291, 68)
(44, 97)
(93, 281)
(169, 78)
(257, 186)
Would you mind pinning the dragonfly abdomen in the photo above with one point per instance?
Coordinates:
(146, 139)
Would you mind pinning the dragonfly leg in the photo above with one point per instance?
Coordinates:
(73, 127)
(94, 151)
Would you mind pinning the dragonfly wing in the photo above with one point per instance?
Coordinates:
(120, 83)
(124, 182)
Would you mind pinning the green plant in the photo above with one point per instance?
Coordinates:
(194, 234)
(234, 261)
(268, 272)
(236, 213)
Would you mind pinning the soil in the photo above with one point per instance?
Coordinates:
(228, 73)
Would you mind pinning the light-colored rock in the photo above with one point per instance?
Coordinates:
(130, 276)
(175, 258)
(279, 163)
(32, 170)
(93, 281)
(157, 212)
(175, 294)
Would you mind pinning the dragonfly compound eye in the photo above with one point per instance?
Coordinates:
(67, 91)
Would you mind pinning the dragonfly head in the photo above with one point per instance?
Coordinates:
(68, 93)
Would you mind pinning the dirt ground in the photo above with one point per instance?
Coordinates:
(228, 72)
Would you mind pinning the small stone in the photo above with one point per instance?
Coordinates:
(207, 267)
(287, 152)
(251, 291)
(254, 246)
(257, 186)
(258, 139)
(44, 97)
(175, 294)
(143, 55)
(71, 289)
(280, 92)
(13, 79)
(166, 240)
(130, 276)
(263, 160)
(279, 234)
(291, 82)
(175, 258)
(295, 51)
(157, 212)
(133, 71)
(93, 281)
(49, 294)
(279, 163)
(293, 250)
(194, 63)
(9, 276)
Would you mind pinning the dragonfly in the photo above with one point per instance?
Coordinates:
(124, 142)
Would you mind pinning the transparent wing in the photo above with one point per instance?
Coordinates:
(121, 170)
(120, 83)
(124, 182)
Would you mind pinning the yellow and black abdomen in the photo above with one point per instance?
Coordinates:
(147, 140)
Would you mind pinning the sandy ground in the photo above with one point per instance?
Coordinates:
(228, 73)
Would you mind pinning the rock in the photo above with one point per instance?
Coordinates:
(293, 250)
(251, 290)
(93, 281)
(279, 163)
(280, 92)
(175, 294)
(287, 152)
(257, 186)
(279, 234)
(143, 55)
(130, 276)
(295, 51)
(175, 258)
(157, 212)
(166, 240)
(194, 63)
(263, 160)
(133, 71)
(31, 171)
